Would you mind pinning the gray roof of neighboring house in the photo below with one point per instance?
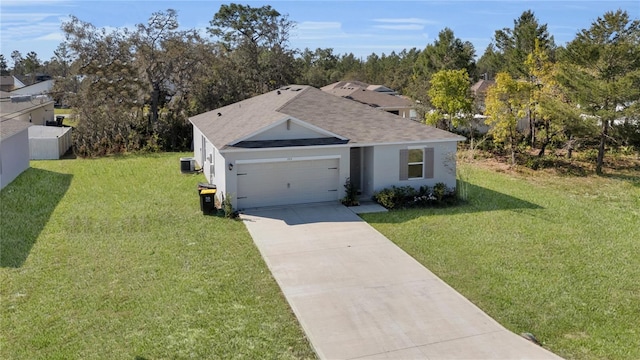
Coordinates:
(482, 86)
(340, 84)
(359, 123)
(369, 97)
(359, 85)
(9, 127)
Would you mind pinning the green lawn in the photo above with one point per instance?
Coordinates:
(112, 259)
(555, 256)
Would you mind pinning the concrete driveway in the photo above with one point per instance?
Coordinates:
(359, 296)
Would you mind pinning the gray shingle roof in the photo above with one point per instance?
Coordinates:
(360, 124)
(370, 97)
(10, 127)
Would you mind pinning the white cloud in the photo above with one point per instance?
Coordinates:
(23, 3)
(415, 21)
(402, 24)
(316, 30)
(319, 25)
(28, 31)
(57, 36)
(26, 17)
(400, 27)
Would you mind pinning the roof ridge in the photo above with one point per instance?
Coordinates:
(299, 92)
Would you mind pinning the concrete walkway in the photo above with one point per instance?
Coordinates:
(358, 296)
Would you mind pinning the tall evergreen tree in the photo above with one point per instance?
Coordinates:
(601, 69)
(517, 43)
(258, 41)
(446, 53)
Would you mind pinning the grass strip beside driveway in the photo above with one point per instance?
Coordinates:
(111, 258)
(555, 256)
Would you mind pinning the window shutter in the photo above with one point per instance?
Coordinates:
(428, 163)
(404, 164)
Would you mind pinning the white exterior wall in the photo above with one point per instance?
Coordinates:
(230, 176)
(386, 166)
(14, 157)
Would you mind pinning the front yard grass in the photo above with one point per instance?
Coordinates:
(113, 259)
(555, 256)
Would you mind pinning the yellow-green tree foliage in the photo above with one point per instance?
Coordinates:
(449, 95)
(549, 106)
(506, 102)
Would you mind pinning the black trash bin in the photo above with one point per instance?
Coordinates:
(208, 201)
(205, 186)
(59, 120)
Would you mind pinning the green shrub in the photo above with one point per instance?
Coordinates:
(227, 207)
(398, 197)
(351, 194)
(540, 162)
(386, 197)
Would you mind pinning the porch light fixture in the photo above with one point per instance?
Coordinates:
(230, 166)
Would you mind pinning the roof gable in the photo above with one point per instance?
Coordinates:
(289, 129)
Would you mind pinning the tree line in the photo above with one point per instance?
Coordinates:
(133, 89)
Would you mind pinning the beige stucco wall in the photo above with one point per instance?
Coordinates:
(38, 114)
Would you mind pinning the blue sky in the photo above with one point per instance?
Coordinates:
(360, 27)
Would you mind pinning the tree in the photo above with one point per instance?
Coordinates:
(601, 68)
(490, 63)
(517, 43)
(349, 68)
(58, 65)
(18, 62)
(32, 64)
(506, 101)
(257, 40)
(110, 99)
(549, 107)
(446, 53)
(449, 95)
(4, 69)
(138, 86)
(166, 58)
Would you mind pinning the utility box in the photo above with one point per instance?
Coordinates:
(187, 165)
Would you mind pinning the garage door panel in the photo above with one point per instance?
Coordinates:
(291, 182)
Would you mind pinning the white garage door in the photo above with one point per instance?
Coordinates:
(290, 182)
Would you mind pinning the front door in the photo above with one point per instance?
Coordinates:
(355, 173)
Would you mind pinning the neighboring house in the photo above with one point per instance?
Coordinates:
(6, 83)
(39, 88)
(390, 103)
(299, 145)
(479, 90)
(34, 109)
(359, 84)
(14, 149)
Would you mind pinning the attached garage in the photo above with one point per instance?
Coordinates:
(293, 181)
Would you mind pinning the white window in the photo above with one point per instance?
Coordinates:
(415, 164)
